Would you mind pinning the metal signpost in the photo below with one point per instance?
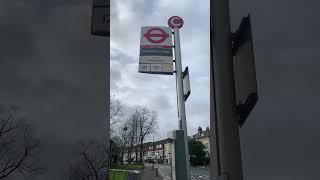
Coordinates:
(178, 168)
(176, 23)
(156, 57)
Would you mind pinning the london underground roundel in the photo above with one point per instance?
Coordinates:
(175, 22)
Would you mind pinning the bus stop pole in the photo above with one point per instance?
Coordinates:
(181, 104)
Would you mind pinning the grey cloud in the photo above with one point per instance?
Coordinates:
(160, 102)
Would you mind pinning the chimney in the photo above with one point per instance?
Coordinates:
(199, 130)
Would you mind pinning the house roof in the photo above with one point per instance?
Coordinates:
(203, 134)
(163, 141)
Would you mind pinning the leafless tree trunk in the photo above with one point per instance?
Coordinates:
(131, 136)
(92, 163)
(77, 171)
(115, 113)
(124, 140)
(136, 138)
(147, 124)
(140, 125)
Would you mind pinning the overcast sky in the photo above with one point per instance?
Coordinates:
(55, 70)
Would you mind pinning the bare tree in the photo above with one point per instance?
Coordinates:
(140, 125)
(92, 163)
(147, 124)
(115, 110)
(94, 153)
(18, 147)
(123, 140)
(77, 170)
(131, 135)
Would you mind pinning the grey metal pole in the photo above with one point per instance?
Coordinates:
(226, 118)
(181, 104)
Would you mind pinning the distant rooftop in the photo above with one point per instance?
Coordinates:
(201, 133)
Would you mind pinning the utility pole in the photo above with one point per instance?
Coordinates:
(153, 149)
(175, 22)
(124, 143)
(226, 125)
(181, 104)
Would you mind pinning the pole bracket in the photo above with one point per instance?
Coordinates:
(235, 38)
(244, 109)
(241, 35)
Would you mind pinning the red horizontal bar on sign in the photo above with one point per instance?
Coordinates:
(155, 46)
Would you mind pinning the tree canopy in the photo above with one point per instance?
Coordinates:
(197, 153)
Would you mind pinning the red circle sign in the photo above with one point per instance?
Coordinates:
(175, 22)
(156, 35)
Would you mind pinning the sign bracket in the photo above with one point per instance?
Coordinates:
(244, 70)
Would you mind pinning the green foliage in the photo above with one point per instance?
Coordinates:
(131, 167)
(207, 161)
(197, 153)
(116, 156)
(118, 174)
(115, 153)
(121, 171)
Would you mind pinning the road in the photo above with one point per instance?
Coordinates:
(197, 173)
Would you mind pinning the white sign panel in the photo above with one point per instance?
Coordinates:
(186, 84)
(156, 54)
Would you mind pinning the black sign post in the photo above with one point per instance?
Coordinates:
(100, 19)
(244, 70)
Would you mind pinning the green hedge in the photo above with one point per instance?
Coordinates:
(138, 167)
(118, 174)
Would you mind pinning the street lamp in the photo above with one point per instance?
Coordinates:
(153, 152)
(124, 141)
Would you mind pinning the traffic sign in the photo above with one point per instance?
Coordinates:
(175, 22)
(156, 54)
(156, 35)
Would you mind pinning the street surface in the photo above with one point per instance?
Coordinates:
(197, 173)
(149, 173)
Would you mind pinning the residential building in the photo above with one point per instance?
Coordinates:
(160, 151)
(203, 137)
